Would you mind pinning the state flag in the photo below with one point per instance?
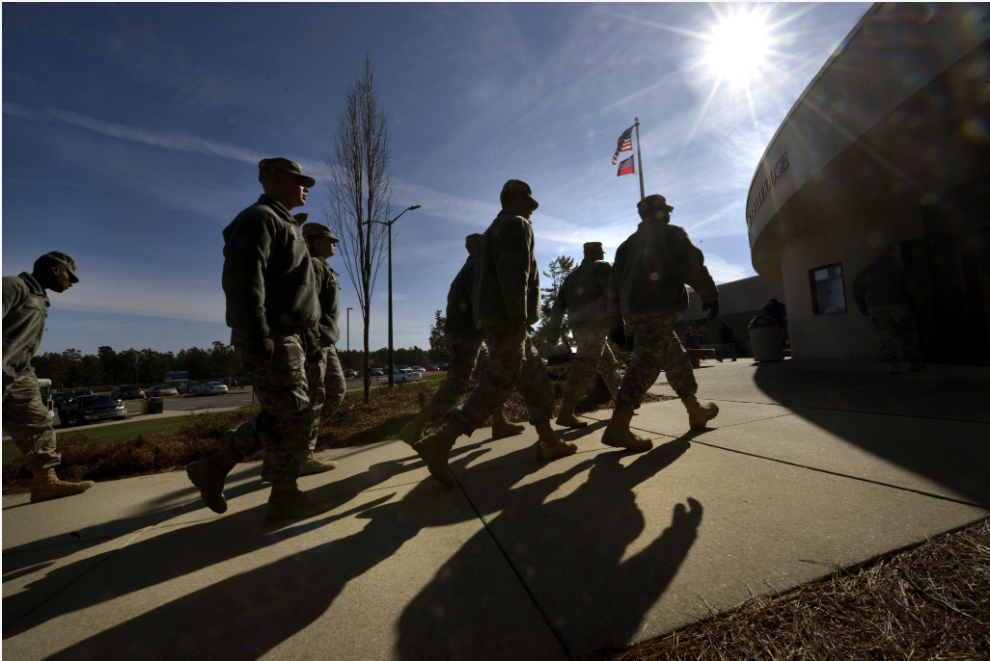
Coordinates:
(625, 143)
(626, 167)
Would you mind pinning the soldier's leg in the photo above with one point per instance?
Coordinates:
(643, 370)
(501, 428)
(583, 365)
(883, 326)
(535, 387)
(334, 387)
(906, 328)
(608, 367)
(26, 419)
(680, 375)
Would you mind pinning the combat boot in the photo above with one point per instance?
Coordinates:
(413, 430)
(210, 474)
(618, 434)
(502, 428)
(550, 447)
(434, 450)
(311, 465)
(892, 367)
(47, 486)
(916, 366)
(566, 417)
(288, 502)
(698, 415)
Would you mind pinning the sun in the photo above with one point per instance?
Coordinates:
(738, 46)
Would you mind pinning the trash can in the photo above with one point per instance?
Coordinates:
(764, 335)
(153, 405)
(144, 406)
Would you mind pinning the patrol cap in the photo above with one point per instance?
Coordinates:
(593, 248)
(268, 166)
(64, 260)
(517, 187)
(472, 241)
(650, 200)
(318, 230)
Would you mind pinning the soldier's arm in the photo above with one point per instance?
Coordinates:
(614, 300)
(692, 265)
(604, 275)
(515, 242)
(13, 293)
(246, 259)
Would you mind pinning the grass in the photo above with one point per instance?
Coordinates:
(929, 602)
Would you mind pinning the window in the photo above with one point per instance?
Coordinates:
(828, 293)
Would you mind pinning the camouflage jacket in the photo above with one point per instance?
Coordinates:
(267, 272)
(460, 312)
(886, 282)
(329, 295)
(583, 295)
(507, 284)
(25, 311)
(651, 268)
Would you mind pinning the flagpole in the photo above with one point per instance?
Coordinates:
(639, 153)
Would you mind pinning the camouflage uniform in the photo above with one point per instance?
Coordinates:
(270, 287)
(329, 295)
(647, 291)
(887, 290)
(584, 297)
(29, 423)
(505, 298)
(896, 332)
(468, 359)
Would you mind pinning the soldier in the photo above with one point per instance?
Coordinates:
(468, 356)
(322, 245)
(584, 296)
(25, 416)
(505, 302)
(273, 309)
(885, 290)
(647, 292)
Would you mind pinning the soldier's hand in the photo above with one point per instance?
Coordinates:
(312, 345)
(713, 307)
(617, 335)
(261, 346)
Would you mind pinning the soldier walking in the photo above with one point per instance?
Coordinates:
(25, 416)
(647, 293)
(505, 302)
(323, 245)
(273, 309)
(584, 297)
(469, 356)
(886, 290)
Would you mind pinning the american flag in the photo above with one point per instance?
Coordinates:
(625, 143)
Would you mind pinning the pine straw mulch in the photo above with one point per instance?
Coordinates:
(355, 423)
(930, 602)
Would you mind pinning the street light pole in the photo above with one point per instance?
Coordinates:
(391, 361)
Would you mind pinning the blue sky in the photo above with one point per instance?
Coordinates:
(131, 135)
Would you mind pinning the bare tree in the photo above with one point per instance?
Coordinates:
(360, 191)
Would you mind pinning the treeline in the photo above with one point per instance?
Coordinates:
(73, 369)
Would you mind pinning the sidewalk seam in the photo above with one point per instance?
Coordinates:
(522, 582)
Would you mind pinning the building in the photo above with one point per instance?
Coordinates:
(739, 302)
(890, 140)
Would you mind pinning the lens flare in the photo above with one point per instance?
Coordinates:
(738, 46)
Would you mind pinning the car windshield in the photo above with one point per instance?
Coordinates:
(93, 400)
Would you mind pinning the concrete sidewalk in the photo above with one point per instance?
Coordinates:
(808, 466)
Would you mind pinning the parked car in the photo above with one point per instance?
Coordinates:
(376, 371)
(161, 391)
(350, 374)
(442, 366)
(59, 398)
(90, 408)
(188, 387)
(400, 367)
(81, 391)
(230, 383)
(406, 376)
(127, 392)
(211, 388)
(418, 368)
(432, 368)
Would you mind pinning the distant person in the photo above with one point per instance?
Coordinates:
(647, 293)
(691, 338)
(469, 357)
(726, 336)
(25, 416)
(583, 297)
(273, 309)
(323, 245)
(505, 303)
(886, 290)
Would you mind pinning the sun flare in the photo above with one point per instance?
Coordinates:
(738, 46)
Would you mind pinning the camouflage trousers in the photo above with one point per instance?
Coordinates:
(468, 359)
(334, 387)
(26, 419)
(656, 348)
(593, 355)
(289, 386)
(513, 363)
(896, 331)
